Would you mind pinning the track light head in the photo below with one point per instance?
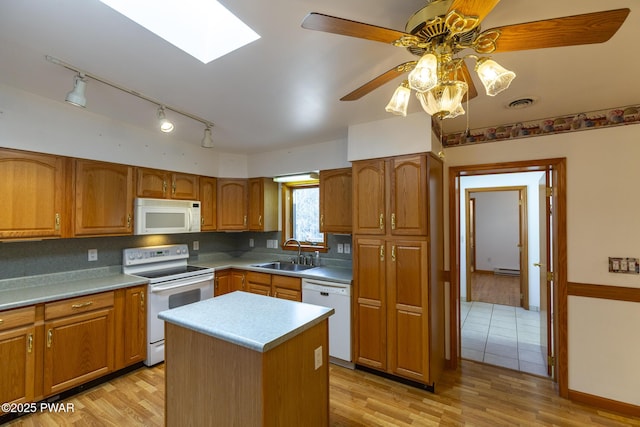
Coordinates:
(207, 140)
(165, 125)
(77, 95)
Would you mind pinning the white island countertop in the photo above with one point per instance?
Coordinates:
(250, 320)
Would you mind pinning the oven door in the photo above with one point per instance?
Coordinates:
(174, 294)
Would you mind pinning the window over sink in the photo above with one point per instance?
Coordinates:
(301, 216)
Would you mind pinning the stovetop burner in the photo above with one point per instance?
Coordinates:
(171, 272)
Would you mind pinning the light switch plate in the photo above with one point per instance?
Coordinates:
(92, 255)
(196, 245)
(340, 248)
(317, 354)
(347, 248)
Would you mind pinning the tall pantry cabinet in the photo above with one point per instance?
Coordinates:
(398, 264)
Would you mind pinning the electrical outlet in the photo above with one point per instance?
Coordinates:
(251, 243)
(92, 255)
(347, 248)
(317, 354)
(340, 248)
(196, 245)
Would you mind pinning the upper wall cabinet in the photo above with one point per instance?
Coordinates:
(232, 204)
(32, 188)
(263, 204)
(103, 198)
(160, 184)
(208, 212)
(335, 201)
(391, 196)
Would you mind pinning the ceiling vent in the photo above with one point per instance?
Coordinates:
(521, 103)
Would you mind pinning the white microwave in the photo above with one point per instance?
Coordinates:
(161, 216)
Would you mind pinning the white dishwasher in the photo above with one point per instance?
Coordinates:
(337, 296)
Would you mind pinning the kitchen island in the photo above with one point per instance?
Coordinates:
(243, 359)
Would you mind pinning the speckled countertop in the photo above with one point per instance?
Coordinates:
(31, 290)
(253, 321)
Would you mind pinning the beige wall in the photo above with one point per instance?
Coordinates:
(602, 221)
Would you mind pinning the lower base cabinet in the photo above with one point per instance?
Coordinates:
(48, 348)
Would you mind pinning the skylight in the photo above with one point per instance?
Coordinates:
(205, 30)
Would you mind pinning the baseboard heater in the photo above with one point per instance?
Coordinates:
(506, 272)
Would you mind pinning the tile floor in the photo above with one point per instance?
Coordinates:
(502, 335)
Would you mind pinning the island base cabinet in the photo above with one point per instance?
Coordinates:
(214, 382)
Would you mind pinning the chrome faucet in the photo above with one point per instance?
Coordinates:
(299, 248)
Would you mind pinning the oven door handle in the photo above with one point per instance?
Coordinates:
(181, 284)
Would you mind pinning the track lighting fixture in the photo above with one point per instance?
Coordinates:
(207, 141)
(165, 125)
(77, 96)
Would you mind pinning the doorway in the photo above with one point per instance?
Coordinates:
(554, 283)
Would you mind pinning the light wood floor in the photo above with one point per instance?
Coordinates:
(495, 289)
(477, 395)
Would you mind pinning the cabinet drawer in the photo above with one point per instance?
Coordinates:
(286, 282)
(78, 305)
(263, 278)
(17, 317)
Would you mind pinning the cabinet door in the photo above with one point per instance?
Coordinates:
(286, 287)
(135, 325)
(32, 188)
(238, 280)
(259, 283)
(408, 195)
(370, 302)
(104, 198)
(17, 353)
(78, 349)
(263, 204)
(152, 183)
(336, 210)
(208, 203)
(222, 283)
(232, 204)
(184, 186)
(369, 197)
(407, 309)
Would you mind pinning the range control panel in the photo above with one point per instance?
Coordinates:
(153, 254)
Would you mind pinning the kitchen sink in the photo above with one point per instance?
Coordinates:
(283, 266)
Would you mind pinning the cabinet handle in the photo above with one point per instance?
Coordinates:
(173, 188)
(393, 253)
(393, 221)
(321, 221)
(1, 321)
(243, 281)
(260, 220)
(164, 188)
(381, 252)
(275, 294)
(57, 221)
(202, 221)
(142, 299)
(30, 343)
(381, 221)
(245, 221)
(49, 338)
(81, 305)
(128, 220)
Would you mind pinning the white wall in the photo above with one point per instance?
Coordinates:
(602, 212)
(528, 179)
(497, 230)
(390, 137)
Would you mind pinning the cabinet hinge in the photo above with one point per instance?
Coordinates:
(521, 296)
(549, 191)
(549, 276)
(551, 361)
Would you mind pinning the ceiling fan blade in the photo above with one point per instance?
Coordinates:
(379, 81)
(597, 27)
(346, 27)
(479, 8)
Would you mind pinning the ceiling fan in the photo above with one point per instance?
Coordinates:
(441, 30)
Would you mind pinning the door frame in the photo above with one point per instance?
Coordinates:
(557, 167)
(523, 238)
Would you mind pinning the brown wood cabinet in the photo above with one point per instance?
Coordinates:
(275, 285)
(226, 281)
(208, 203)
(397, 266)
(336, 201)
(17, 352)
(161, 184)
(232, 204)
(79, 334)
(131, 325)
(103, 202)
(32, 188)
(263, 204)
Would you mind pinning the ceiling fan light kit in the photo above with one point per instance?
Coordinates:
(441, 30)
